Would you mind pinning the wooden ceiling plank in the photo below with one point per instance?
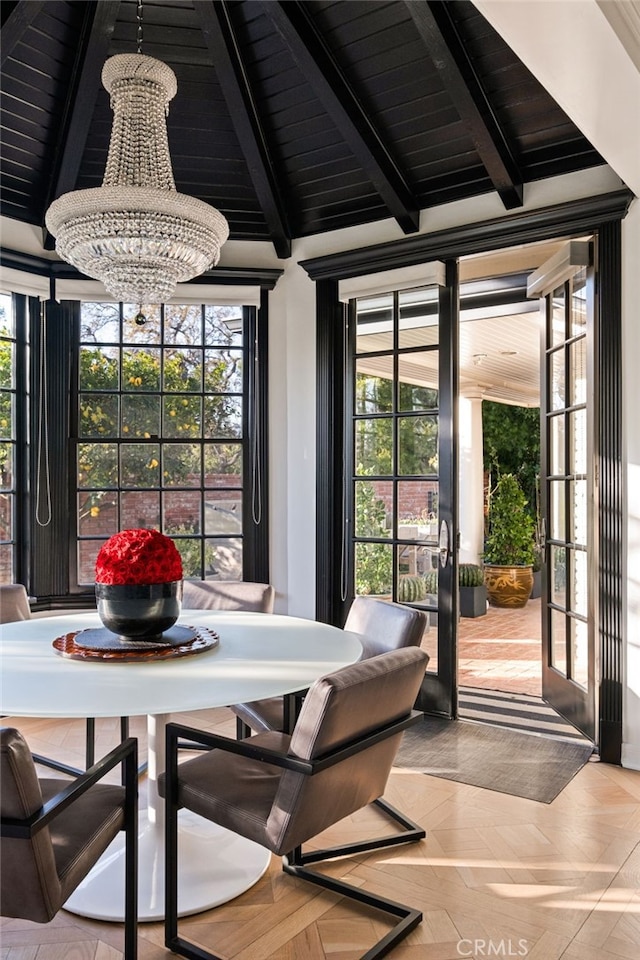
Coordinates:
(435, 23)
(218, 31)
(93, 45)
(320, 68)
(16, 24)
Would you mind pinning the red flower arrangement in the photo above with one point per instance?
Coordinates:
(138, 556)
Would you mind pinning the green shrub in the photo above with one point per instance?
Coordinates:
(511, 528)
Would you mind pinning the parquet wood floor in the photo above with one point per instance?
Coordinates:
(497, 876)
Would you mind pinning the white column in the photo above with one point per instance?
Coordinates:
(471, 479)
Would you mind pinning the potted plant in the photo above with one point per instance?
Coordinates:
(509, 553)
(473, 592)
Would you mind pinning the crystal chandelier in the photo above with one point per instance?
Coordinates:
(136, 233)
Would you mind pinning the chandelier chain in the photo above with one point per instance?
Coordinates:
(139, 20)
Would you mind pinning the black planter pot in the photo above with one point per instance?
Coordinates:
(473, 601)
(139, 611)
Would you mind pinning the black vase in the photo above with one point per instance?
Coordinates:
(139, 611)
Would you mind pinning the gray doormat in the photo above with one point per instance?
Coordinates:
(520, 764)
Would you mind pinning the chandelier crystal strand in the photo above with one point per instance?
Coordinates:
(136, 233)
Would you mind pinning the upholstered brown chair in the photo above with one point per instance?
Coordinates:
(53, 831)
(382, 625)
(228, 595)
(14, 606)
(280, 790)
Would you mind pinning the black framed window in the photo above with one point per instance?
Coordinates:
(161, 431)
(8, 439)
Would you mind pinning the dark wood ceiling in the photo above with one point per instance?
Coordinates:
(292, 118)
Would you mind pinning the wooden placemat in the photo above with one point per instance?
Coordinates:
(205, 639)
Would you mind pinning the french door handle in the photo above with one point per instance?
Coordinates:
(443, 543)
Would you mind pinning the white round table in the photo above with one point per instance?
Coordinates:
(258, 656)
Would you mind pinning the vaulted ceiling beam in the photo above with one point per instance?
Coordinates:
(316, 61)
(230, 69)
(15, 25)
(92, 49)
(437, 28)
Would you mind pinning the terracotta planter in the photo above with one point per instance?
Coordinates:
(508, 586)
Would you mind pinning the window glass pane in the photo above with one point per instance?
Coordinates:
(373, 453)
(140, 415)
(578, 372)
(7, 474)
(97, 465)
(557, 494)
(182, 416)
(418, 509)
(559, 642)
(223, 326)
(100, 323)
(6, 552)
(578, 433)
(223, 464)
(418, 386)
(183, 324)
(223, 371)
(222, 416)
(87, 553)
(97, 514)
(579, 583)
(418, 445)
(373, 508)
(374, 324)
(223, 513)
(181, 465)
(134, 331)
(182, 371)
(224, 559)
(99, 368)
(557, 380)
(373, 569)
(556, 445)
(374, 391)
(139, 508)
(579, 303)
(141, 370)
(99, 415)
(559, 319)
(181, 512)
(140, 465)
(418, 317)
(7, 362)
(579, 652)
(558, 575)
(578, 490)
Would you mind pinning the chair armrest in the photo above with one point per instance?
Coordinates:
(126, 752)
(284, 760)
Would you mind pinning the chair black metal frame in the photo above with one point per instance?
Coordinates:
(126, 753)
(295, 862)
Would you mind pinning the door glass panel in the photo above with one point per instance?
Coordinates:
(578, 372)
(418, 317)
(374, 379)
(558, 318)
(418, 380)
(374, 569)
(578, 493)
(557, 525)
(374, 445)
(417, 445)
(579, 652)
(559, 576)
(556, 446)
(418, 510)
(559, 641)
(557, 380)
(373, 508)
(374, 325)
(579, 585)
(578, 434)
(579, 303)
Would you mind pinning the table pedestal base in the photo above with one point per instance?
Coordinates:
(214, 866)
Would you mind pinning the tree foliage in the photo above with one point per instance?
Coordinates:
(511, 437)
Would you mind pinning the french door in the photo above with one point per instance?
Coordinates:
(400, 461)
(567, 414)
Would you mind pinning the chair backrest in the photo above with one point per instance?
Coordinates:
(14, 603)
(228, 595)
(384, 625)
(341, 708)
(30, 883)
